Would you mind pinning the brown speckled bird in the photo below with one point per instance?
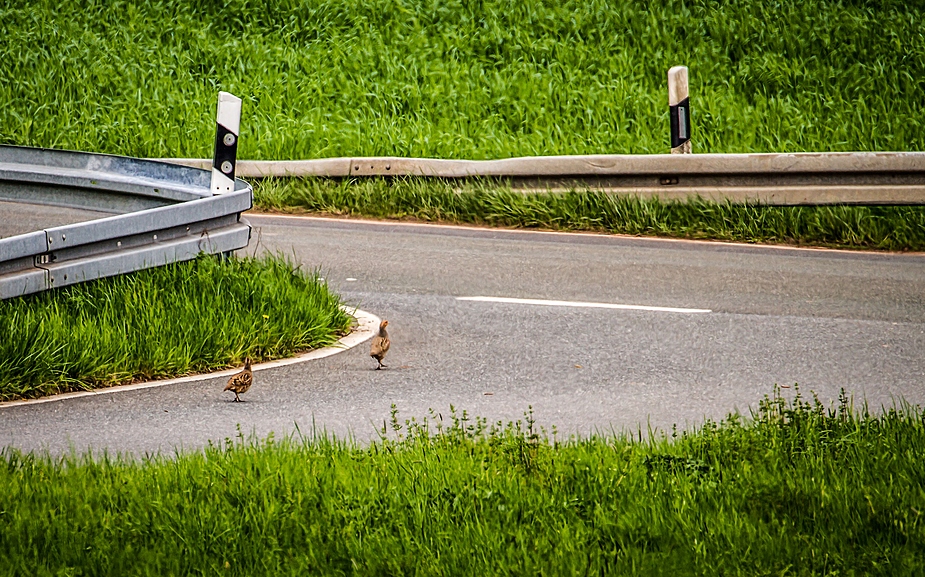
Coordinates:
(380, 344)
(240, 382)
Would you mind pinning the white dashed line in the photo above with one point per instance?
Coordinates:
(579, 304)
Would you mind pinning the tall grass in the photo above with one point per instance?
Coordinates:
(799, 490)
(486, 203)
(182, 318)
(460, 78)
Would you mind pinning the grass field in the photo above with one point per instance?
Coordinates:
(887, 228)
(189, 317)
(460, 78)
(799, 490)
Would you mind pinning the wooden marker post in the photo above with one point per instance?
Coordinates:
(227, 128)
(679, 108)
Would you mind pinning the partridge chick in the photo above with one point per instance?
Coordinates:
(380, 344)
(240, 382)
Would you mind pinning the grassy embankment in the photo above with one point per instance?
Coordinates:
(184, 318)
(483, 80)
(799, 490)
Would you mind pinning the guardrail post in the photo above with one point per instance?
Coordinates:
(679, 108)
(227, 127)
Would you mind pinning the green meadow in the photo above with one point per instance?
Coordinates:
(460, 78)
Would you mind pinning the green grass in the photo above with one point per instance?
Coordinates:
(460, 78)
(188, 317)
(798, 490)
(871, 227)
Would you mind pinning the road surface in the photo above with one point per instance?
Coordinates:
(823, 319)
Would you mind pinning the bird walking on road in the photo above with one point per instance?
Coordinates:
(240, 382)
(380, 344)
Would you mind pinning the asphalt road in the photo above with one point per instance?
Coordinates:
(824, 319)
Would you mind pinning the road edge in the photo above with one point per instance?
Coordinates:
(260, 213)
(367, 326)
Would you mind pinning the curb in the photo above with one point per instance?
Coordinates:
(367, 325)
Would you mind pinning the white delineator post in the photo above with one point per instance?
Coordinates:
(679, 108)
(227, 127)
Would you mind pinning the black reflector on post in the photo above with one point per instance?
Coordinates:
(679, 110)
(227, 126)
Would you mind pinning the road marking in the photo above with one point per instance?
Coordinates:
(579, 304)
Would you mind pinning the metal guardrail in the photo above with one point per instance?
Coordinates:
(164, 213)
(774, 179)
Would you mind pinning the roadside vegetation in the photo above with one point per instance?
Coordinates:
(799, 489)
(897, 228)
(460, 79)
(183, 318)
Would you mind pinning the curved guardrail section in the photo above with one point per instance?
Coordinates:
(163, 213)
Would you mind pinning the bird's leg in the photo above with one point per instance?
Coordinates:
(236, 399)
